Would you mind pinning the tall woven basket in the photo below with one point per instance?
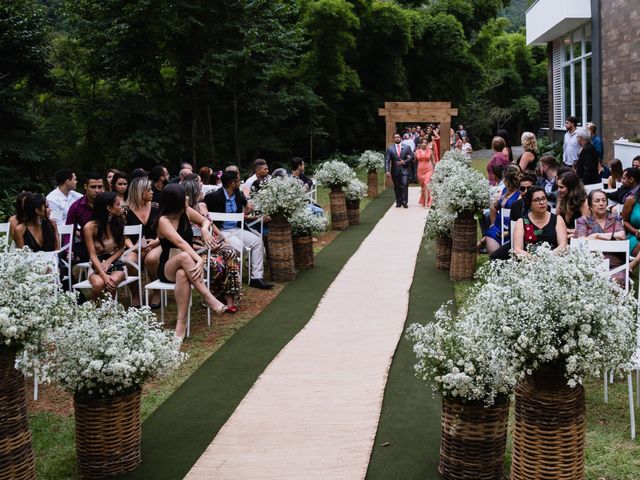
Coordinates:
(372, 184)
(303, 252)
(549, 430)
(16, 454)
(474, 438)
(464, 249)
(108, 434)
(353, 212)
(281, 250)
(337, 202)
(443, 253)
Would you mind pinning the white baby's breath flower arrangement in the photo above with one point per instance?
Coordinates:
(456, 156)
(305, 223)
(445, 168)
(461, 188)
(108, 350)
(355, 190)
(457, 359)
(439, 223)
(334, 174)
(555, 308)
(281, 196)
(371, 160)
(31, 300)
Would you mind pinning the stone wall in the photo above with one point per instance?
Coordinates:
(620, 34)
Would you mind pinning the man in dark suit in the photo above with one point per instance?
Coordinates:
(587, 165)
(229, 199)
(397, 164)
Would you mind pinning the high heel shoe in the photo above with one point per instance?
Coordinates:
(232, 308)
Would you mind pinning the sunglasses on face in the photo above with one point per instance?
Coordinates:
(524, 189)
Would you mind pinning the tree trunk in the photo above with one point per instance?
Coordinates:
(236, 133)
(212, 147)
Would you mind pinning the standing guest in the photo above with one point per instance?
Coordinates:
(539, 225)
(397, 165)
(20, 215)
(224, 269)
(81, 212)
(107, 180)
(510, 194)
(437, 151)
(616, 173)
(229, 199)
(186, 268)
(426, 165)
(630, 186)
(548, 179)
(506, 136)
(408, 141)
(586, 167)
(635, 163)
(260, 175)
(602, 225)
(529, 158)
(499, 158)
(159, 177)
(452, 138)
(570, 147)
(458, 144)
(596, 140)
(120, 185)
(467, 149)
(38, 231)
(105, 241)
(572, 200)
(462, 131)
(63, 196)
(142, 210)
(206, 175)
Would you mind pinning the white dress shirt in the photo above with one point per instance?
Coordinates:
(570, 148)
(59, 203)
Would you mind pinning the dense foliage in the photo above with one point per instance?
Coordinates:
(112, 83)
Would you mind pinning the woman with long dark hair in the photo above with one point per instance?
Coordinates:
(185, 268)
(572, 200)
(37, 231)
(120, 185)
(105, 241)
(18, 218)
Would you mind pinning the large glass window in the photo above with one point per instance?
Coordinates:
(576, 76)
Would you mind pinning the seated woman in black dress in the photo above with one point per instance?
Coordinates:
(37, 231)
(539, 225)
(185, 268)
(572, 200)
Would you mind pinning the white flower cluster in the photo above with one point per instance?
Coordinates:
(108, 349)
(525, 313)
(439, 223)
(305, 223)
(280, 196)
(334, 173)
(454, 359)
(371, 160)
(355, 190)
(457, 156)
(31, 301)
(457, 187)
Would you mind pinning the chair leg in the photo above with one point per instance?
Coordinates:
(638, 387)
(632, 415)
(163, 295)
(189, 318)
(146, 297)
(606, 387)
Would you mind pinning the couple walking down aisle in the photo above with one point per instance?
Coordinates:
(398, 164)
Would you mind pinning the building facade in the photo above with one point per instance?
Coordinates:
(593, 49)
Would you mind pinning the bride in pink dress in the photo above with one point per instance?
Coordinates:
(425, 158)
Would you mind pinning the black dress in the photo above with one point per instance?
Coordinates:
(533, 163)
(184, 230)
(537, 236)
(149, 229)
(30, 241)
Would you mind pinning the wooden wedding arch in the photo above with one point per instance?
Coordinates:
(419, 112)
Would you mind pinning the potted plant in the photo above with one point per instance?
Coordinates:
(563, 320)
(103, 357)
(371, 161)
(336, 175)
(280, 198)
(439, 227)
(304, 226)
(31, 303)
(353, 193)
(456, 358)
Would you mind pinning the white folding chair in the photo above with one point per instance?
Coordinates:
(504, 214)
(65, 232)
(313, 192)
(635, 360)
(4, 230)
(592, 186)
(239, 218)
(129, 230)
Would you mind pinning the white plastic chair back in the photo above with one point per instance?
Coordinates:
(65, 232)
(4, 234)
(608, 246)
(593, 186)
(504, 214)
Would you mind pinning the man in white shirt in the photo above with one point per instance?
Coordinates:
(570, 147)
(63, 196)
(260, 174)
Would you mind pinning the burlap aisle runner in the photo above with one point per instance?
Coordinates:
(313, 413)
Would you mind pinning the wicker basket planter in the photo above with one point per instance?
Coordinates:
(108, 434)
(339, 219)
(281, 250)
(464, 250)
(372, 184)
(353, 212)
(16, 454)
(474, 438)
(443, 253)
(549, 430)
(303, 252)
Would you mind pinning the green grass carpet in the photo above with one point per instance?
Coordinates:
(176, 434)
(408, 438)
